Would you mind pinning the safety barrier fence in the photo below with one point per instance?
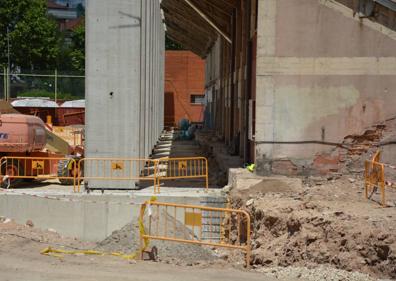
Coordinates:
(55, 83)
(216, 227)
(182, 168)
(73, 136)
(99, 170)
(374, 178)
(112, 169)
(42, 168)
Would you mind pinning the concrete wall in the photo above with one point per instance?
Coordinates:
(213, 63)
(89, 217)
(321, 75)
(124, 80)
(83, 219)
(185, 73)
(212, 84)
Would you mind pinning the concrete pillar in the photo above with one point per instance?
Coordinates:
(122, 69)
(266, 42)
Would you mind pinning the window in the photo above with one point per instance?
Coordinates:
(197, 99)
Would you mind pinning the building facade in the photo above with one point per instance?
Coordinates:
(289, 80)
(62, 14)
(184, 88)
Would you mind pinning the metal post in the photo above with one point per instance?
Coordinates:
(5, 82)
(8, 74)
(56, 85)
(7, 77)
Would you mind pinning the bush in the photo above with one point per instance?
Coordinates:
(46, 94)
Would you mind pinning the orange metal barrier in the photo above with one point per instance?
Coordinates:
(374, 177)
(43, 168)
(113, 169)
(182, 168)
(72, 135)
(217, 227)
(105, 169)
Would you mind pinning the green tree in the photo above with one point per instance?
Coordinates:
(72, 61)
(80, 10)
(72, 54)
(77, 54)
(34, 38)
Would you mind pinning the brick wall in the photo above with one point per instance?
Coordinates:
(184, 77)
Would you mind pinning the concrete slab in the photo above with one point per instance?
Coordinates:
(93, 216)
(243, 183)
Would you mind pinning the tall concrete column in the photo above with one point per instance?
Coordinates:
(265, 85)
(120, 92)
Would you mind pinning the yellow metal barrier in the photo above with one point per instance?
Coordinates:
(72, 135)
(216, 227)
(117, 169)
(43, 168)
(105, 169)
(374, 177)
(182, 168)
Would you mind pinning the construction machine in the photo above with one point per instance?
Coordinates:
(27, 136)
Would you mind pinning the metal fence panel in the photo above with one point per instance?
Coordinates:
(183, 168)
(117, 172)
(374, 177)
(50, 84)
(43, 168)
(217, 227)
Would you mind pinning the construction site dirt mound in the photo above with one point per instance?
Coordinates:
(127, 240)
(327, 224)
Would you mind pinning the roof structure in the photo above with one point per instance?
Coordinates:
(53, 5)
(74, 23)
(74, 104)
(34, 103)
(196, 24)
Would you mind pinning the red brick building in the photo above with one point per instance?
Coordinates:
(184, 87)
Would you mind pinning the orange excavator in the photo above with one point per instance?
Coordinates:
(28, 136)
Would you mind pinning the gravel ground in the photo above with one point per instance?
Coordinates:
(127, 240)
(317, 273)
(20, 259)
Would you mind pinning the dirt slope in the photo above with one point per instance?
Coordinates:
(328, 223)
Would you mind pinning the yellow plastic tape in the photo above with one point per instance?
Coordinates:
(59, 253)
(141, 224)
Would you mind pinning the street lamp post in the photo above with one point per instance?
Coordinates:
(8, 73)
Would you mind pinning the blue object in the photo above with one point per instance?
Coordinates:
(184, 124)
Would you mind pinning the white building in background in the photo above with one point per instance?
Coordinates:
(61, 12)
(34, 102)
(74, 104)
(72, 3)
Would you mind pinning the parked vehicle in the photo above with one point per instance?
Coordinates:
(27, 136)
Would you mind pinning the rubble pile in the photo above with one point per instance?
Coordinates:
(328, 224)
